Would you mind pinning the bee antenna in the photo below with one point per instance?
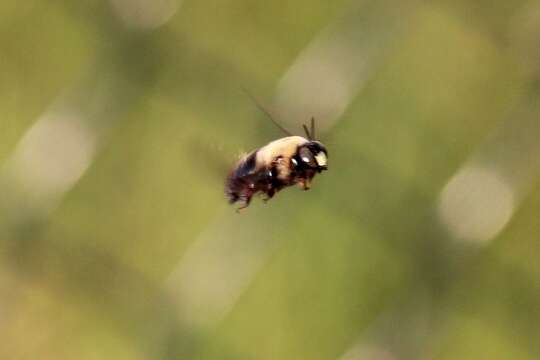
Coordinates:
(307, 132)
(265, 112)
(310, 133)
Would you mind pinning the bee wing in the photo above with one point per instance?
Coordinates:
(246, 165)
(210, 159)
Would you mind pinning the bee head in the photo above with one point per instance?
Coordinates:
(314, 155)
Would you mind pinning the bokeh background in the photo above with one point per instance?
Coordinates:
(119, 120)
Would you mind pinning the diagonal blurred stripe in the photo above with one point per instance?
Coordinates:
(216, 269)
(145, 14)
(337, 63)
(57, 150)
(50, 158)
(481, 197)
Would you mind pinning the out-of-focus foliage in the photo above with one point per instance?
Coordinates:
(119, 120)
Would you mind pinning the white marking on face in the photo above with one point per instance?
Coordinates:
(321, 159)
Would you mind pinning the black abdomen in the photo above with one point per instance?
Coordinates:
(240, 184)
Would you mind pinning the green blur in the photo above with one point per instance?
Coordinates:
(361, 261)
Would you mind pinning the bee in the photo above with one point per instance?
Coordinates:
(291, 160)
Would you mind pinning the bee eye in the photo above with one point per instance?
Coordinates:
(307, 157)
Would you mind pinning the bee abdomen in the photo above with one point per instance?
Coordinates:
(237, 189)
(240, 182)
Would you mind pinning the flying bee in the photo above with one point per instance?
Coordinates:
(291, 160)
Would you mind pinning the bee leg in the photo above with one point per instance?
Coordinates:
(246, 200)
(305, 181)
(304, 184)
(233, 197)
(269, 194)
(268, 181)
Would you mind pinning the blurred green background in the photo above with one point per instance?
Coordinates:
(119, 121)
